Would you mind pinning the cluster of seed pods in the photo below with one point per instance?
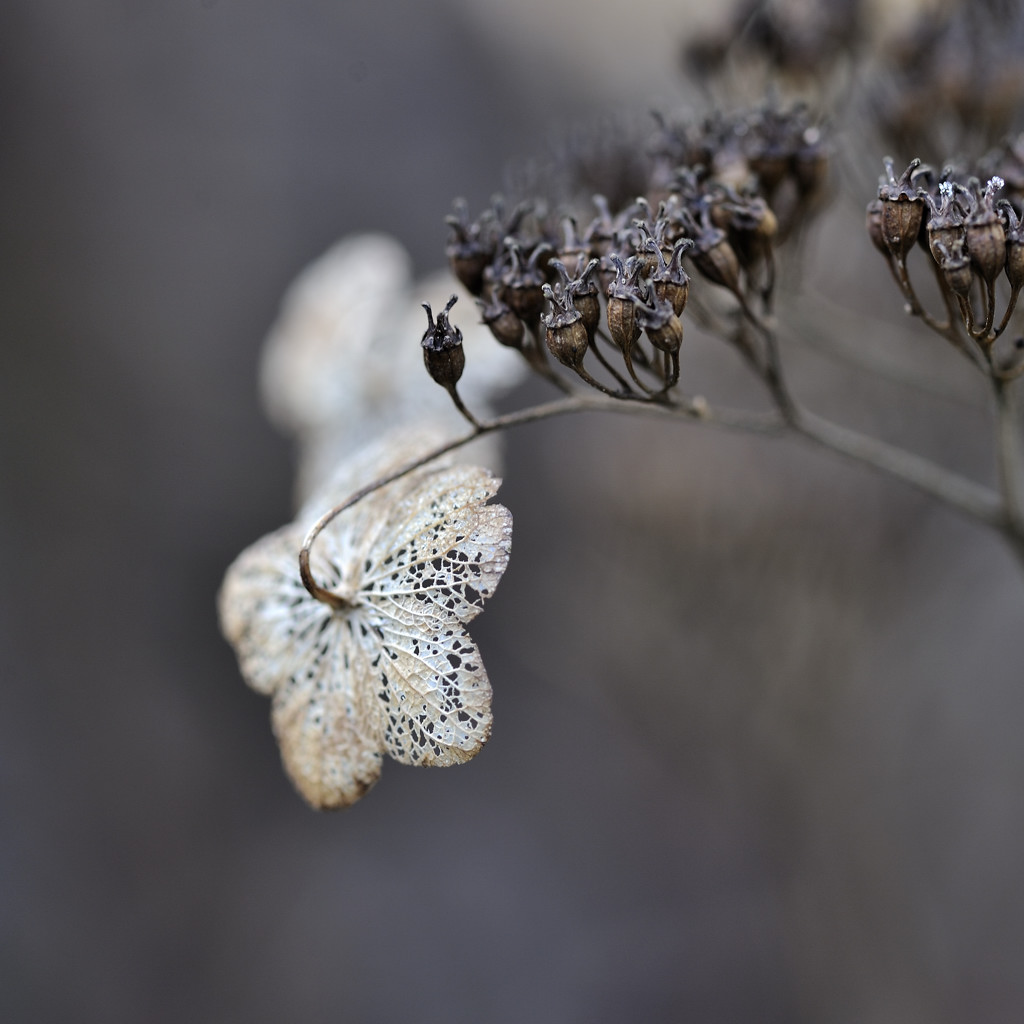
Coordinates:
(566, 283)
(972, 237)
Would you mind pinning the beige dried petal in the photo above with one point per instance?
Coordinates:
(326, 334)
(395, 671)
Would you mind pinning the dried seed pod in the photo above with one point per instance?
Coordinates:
(523, 282)
(469, 250)
(945, 221)
(663, 327)
(567, 336)
(589, 305)
(955, 265)
(986, 237)
(573, 249)
(622, 295)
(1014, 245)
(1015, 260)
(669, 280)
(714, 257)
(751, 227)
(636, 243)
(442, 347)
(874, 226)
(506, 327)
(582, 289)
(902, 209)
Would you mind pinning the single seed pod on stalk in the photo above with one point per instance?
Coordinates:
(902, 209)
(751, 227)
(640, 243)
(945, 226)
(955, 264)
(621, 313)
(442, 347)
(664, 329)
(622, 321)
(670, 281)
(1014, 246)
(873, 223)
(523, 282)
(567, 336)
(665, 332)
(469, 251)
(986, 237)
(583, 291)
(506, 327)
(1014, 266)
(713, 256)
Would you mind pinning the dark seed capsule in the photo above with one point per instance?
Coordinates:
(955, 265)
(945, 223)
(504, 324)
(566, 336)
(874, 226)
(902, 209)
(1015, 261)
(986, 237)
(622, 295)
(443, 354)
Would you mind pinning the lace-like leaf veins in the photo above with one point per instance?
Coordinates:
(393, 671)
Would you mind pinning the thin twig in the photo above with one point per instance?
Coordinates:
(460, 405)
(692, 409)
(969, 497)
(1008, 455)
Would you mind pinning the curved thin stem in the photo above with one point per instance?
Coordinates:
(903, 278)
(968, 497)
(585, 376)
(595, 348)
(1010, 306)
(691, 409)
(990, 311)
(460, 405)
(772, 369)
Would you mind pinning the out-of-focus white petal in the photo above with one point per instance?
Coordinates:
(316, 355)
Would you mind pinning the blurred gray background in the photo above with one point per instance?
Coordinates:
(756, 753)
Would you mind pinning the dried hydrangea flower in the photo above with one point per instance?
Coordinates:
(330, 318)
(387, 667)
(342, 365)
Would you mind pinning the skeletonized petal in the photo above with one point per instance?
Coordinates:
(392, 670)
(325, 719)
(443, 550)
(266, 613)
